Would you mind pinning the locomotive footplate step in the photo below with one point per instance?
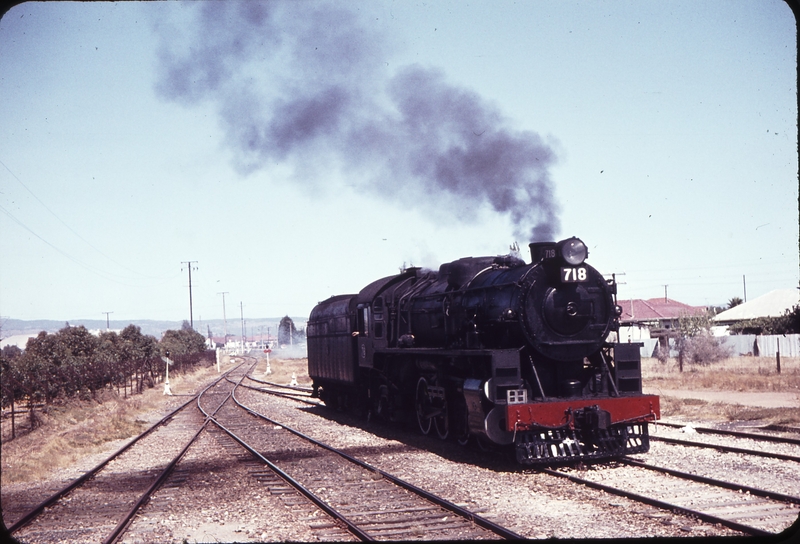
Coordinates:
(565, 444)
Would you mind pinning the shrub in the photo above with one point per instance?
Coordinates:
(696, 344)
(704, 349)
(661, 353)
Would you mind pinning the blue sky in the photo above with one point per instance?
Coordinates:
(301, 150)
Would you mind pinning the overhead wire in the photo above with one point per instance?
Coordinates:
(99, 272)
(73, 231)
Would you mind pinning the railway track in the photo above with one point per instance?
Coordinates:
(301, 394)
(97, 506)
(737, 506)
(292, 477)
(759, 444)
(765, 514)
(692, 477)
(371, 504)
(218, 461)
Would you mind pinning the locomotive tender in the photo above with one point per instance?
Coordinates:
(511, 354)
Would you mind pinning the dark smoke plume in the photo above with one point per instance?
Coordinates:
(309, 83)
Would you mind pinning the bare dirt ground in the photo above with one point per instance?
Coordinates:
(770, 399)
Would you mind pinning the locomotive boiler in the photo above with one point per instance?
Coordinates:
(490, 349)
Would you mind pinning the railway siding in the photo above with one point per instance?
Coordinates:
(528, 502)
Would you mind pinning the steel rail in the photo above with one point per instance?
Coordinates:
(726, 449)
(660, 504)
(283, 394)
(122, 525)
(738, 434)
(462, 512)
(294, 387)
(712, 481)
(339, 518)
(153, 487)
(27, 518)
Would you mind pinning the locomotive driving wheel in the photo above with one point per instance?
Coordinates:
(423, 406)
(442, 421)
(461, 422)
(382, 404)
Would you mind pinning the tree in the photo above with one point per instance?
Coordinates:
(40, 368)
(75, 353)
(107, 366)
(140, 351)
(10, 381)
(286, 331)
(735, 301)
(788, 323)
(185, 346)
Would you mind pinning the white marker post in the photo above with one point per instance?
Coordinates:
(218, 357)
(168, 362)
(269, 370)
(294, 379)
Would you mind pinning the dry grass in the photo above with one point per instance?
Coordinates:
(76, 429)
(751, 374)
(732, 374)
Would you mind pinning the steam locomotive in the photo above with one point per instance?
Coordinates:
(490, 349)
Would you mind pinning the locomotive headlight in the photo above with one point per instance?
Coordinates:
(573, 251)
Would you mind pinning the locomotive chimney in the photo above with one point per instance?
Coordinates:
(542, 250)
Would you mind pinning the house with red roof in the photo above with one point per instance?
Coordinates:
(653, 318)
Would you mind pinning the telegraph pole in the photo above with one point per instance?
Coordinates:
(189, 266)
(224, 317)
(107, 322)
(241, 309)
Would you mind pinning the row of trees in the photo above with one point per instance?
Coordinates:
(75, 363)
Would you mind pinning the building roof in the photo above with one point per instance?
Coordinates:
(773, 304)
(19, 340)
(655, 309)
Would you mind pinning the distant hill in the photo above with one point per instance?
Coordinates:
(255, 326)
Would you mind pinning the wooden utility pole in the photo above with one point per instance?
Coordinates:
(107, 322)
(189, 266)
(241, 309)
(224, 317)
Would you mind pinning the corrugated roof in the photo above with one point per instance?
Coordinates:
(773, 304)
(654, 309)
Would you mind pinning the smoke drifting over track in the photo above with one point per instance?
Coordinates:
(312, 85)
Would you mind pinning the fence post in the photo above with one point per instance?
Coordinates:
(778, 352)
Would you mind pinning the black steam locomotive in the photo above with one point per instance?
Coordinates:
(510, 354)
